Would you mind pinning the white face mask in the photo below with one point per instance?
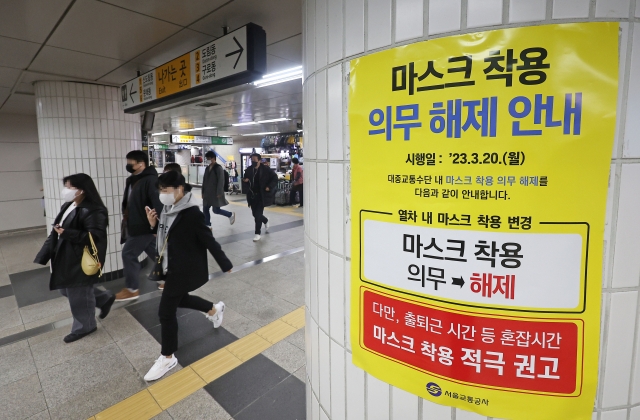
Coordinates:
(68, 195)
(168, 199)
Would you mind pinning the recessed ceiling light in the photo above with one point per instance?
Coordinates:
(279, 77)
(159, 134)
(195, 129)
(262, 134)
(274, 120)
(244, 123)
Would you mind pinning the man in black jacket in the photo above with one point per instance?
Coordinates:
(262, 182)
(140, 191)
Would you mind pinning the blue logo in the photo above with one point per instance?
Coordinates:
(434, 389)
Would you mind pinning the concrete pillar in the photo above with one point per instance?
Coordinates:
(82, 129)
(336, 31)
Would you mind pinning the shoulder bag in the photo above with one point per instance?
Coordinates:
(157, 273)
(90, 262)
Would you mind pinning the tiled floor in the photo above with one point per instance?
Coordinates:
(43, 378)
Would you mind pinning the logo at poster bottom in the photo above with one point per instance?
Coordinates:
(434, 389)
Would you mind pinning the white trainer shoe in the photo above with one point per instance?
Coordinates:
(232, 219)
(266, 227)
(256, 238)
(161, 367)
(217, 317)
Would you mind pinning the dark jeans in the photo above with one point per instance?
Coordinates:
(216, 210)
(169, 322)
(295, 189)
(133, 247)
(83, 301)
(257, 208)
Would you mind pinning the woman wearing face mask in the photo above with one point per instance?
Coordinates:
(183, 239)
(82, 213)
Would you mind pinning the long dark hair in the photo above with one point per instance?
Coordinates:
(85, 183)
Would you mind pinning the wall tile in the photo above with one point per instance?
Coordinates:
(433, 411)
(612, 8)
(321, 115)
(468, 415)
(315, 356)
(335, 109)
(635, 413)
(313, 269)
(310, 178)
(614, 415)
(338, 380)
(379, 23)
(315, 409)
(619, 349)
(321, 33)
(632, 128)
(322, 204)
(409, 19)
(527, 10)
(336, 28)
(355, 391)
(336, 299)
(626, 265)
(325, 371)
(377, 399)
(484, 13)
(607, 226)
(323, 289)
(565, 9)
(336, 208)
(444, 16)
(347, 299)
(354, 27)
(310, 51)
(404, 406)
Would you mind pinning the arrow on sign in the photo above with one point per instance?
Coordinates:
(131, 92)
(458, 281)
(238, 51)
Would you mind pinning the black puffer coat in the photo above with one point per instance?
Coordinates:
(267, 179)
(65, 253)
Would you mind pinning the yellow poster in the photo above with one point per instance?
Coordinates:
(174, 76)
(479, 173)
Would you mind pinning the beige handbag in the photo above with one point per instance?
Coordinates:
(90, 262)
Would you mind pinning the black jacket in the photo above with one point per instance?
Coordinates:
(187, 246)
(65, 253)
(144, 192)
(267, 178)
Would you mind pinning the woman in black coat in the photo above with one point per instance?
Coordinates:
(82, 213)
(183, 242)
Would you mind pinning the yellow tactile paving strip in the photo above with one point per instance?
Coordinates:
(167, 392)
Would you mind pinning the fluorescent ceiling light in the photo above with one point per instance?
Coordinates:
(262, 134)
(244, 123)
(274, 120)
(280, 77)
(195, 129)
(159, 134)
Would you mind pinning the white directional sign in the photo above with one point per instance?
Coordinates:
(236, 58)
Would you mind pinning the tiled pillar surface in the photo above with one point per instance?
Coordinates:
(336, 31)
(83, 130)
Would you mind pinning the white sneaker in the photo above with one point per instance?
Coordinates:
(161, 367)
(256, 238)
(232, 219)
(266, 227)
(217, 317)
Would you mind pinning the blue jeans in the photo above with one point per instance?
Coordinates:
(216, 210)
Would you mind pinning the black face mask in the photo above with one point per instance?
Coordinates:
(130, 168)
(254, 163)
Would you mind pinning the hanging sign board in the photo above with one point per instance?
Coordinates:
(213, 140)
(234, 59)
(477, 242)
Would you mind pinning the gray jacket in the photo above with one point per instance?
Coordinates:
(213, 186)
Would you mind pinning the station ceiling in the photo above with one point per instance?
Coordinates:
(108, 41)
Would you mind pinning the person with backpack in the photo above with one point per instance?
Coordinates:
(214, 185)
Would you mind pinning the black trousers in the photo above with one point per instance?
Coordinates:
(169, 322)
(294, 189)
(257, 208)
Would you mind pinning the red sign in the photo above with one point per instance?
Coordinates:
(515, 353)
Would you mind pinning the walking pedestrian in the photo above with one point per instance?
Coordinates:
(82, 222)
(140, 192)
(183, 241)
(298, 179)
(262, 183)
(213, 190)
(172, 167)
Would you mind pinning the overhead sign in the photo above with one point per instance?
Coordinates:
(213, 140)
(478, 285)
(236, 58)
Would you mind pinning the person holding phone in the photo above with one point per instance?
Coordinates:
(183, 241)
(82, 215)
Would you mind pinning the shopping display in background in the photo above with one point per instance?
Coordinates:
(479, 174)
